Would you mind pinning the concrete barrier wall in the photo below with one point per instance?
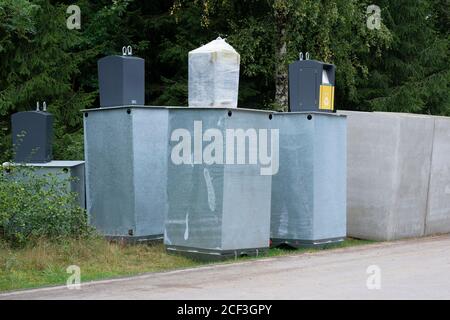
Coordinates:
(398, 182)
(438, 211)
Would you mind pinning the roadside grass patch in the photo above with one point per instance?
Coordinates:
(44, 262)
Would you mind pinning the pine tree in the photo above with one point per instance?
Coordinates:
(412, 75)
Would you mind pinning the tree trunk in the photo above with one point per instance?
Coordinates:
(281, 68)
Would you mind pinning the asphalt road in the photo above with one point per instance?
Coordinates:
(411, 269)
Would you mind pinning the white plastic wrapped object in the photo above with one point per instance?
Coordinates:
(214, 75)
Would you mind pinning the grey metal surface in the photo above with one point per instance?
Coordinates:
(73, 170)
(126, 172)
(32, 135)
(121, 81)
(57, 163)
(218, 206)
(309, 191)
(305, 78)
(389, 159)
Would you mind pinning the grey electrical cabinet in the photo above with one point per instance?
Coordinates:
(126, 171)
(311, 86)
(32, 135)
(219, 206)
(121, 81)
(309, 191)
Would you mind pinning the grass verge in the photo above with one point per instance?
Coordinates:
(45, 263)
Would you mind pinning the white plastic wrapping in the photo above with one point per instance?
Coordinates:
(214, 75)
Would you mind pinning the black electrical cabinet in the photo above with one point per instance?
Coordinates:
(32, 135)
(121, 81)
(311, 86)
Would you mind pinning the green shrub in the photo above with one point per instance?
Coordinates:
(36, 206)
(5, 143)
(68, 146)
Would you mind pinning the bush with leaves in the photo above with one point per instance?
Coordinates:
(34, 205)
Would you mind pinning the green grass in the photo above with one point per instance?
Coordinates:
(45, 263)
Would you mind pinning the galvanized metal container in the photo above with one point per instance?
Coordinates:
(126, 170)
(309, 191)
(216, 209)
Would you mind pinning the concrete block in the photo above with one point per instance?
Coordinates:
(389, 158)
(438, 213)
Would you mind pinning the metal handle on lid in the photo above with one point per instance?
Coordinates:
(127, 51)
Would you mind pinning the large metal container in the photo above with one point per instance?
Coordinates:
(309, 191)
(126, 170)
(216, 210)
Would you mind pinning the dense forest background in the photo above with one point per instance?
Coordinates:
(402, 66)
